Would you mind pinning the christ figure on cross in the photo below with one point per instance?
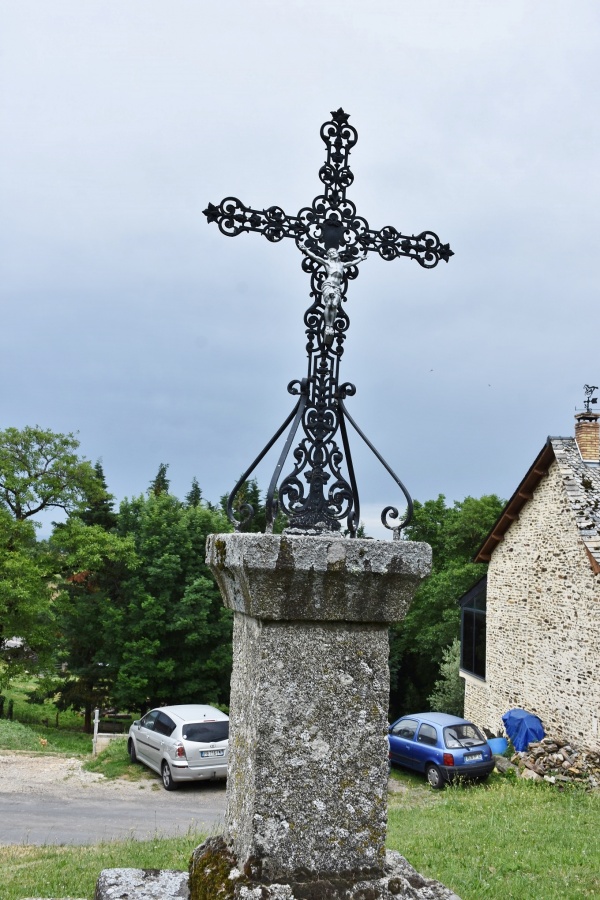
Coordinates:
(331, 289)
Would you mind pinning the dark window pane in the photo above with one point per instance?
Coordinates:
(476, 601)
(405, 728)
(206, 732)
(472, 646)
(479, 602)
(479, 647)
(164, 725)
(149, 720)
(427, 735)
(468, 631)
(461, 735)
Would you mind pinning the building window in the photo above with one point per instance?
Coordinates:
(472, 629)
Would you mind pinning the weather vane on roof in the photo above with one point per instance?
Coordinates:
(333, 241)
(589, 390)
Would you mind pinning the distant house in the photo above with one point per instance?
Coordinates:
(530, 633)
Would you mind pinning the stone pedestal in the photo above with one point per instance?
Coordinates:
(307, 783)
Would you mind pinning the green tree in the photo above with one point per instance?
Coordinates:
(42, 470)
(171, 634)
(249, 495)
(25, 596)
(93, 562)
(432, 623)
(194, 495)
(160, 483)
(99, 509)
(449, 690)
(39, 470)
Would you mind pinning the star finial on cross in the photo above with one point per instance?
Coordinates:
(339, 116)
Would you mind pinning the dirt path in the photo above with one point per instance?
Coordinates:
(52, 800)
(46, 799)
(58, 775)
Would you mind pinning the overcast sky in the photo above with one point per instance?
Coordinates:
(130, 320)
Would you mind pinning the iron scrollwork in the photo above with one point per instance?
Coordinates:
(333, 240)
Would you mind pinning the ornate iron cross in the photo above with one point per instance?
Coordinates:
(334, 240)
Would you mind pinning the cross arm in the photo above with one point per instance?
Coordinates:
(425, 247)
(234, 218)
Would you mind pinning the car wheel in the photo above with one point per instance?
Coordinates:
(167, 778)
(434, 777)
(132, 753)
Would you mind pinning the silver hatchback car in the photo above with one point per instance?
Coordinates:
(181, 743)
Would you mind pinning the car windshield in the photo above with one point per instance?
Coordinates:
(464, 735)
(206, 732)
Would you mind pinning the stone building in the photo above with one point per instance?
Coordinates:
(531, 632)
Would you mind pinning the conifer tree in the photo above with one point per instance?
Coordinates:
(160, 484)
(171, 634)
(93, 561)
(194, 495)
(99, 509)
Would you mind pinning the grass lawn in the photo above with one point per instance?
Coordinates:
(39, 726)
(114, 762)
(31, 738)
(43, 714)
(508, 839)
(28, 871)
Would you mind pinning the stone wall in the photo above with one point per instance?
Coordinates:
(103, 739)
(543, 624)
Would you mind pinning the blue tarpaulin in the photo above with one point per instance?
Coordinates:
(522, 728)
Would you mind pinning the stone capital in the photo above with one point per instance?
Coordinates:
(326, 578)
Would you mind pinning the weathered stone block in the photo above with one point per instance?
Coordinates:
(215, 876)
(322, 578)
(307, 784)
(142, 884)
(307, 787)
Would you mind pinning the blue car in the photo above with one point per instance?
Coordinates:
(442, 747)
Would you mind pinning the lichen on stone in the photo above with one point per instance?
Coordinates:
(220, 551)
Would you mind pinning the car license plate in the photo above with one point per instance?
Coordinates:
(473, 757)
(205, 753)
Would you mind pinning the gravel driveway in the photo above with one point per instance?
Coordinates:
(52, 800)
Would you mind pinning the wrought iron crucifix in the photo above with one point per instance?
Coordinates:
(333, 240)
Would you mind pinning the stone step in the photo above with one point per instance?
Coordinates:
(142, 884)
(400, 882)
